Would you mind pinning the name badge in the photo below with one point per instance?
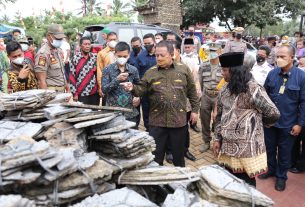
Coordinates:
(282, 90)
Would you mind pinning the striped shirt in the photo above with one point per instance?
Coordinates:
(83, 75)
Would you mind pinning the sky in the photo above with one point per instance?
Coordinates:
(28, 7)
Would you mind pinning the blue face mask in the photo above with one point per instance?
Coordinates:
(56, 43)
(213, 55)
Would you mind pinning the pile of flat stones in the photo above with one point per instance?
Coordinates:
(54, 153)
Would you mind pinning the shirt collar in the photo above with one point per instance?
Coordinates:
(286, 74)
(83, 56)
(171, 67)
(117, 67)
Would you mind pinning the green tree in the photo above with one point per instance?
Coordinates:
(138, 3)
(241, 12)
(37, 26)
(5, 19)
(91, 7)
(120, 9)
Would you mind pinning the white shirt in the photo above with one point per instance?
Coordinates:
(65, 47)
(260, 72)
(192, 61)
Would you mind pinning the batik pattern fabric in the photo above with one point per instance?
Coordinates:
(16, 84)
(4, 66)
(83, 75)
(239, 127)
(115, 94)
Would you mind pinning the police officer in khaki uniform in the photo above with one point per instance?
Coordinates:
(209, 76)
(49, 63)
(236, 45)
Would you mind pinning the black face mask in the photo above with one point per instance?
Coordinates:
(238, 36)
(274, 44)
(260, 59)
(191, 33)
(149, 47)
(136, 50)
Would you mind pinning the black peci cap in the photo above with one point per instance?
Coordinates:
(189, 41)
(231, 59)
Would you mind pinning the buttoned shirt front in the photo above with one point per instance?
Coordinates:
(168, 91)
(260, 72)
(290, 99)
(145, 61)
(116, 95)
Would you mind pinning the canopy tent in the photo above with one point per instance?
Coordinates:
(6, 29)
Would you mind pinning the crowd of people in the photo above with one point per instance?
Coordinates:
(255, 107)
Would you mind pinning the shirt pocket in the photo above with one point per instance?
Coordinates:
(293, 92)
(55, 70)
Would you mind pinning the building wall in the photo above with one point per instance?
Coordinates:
(165, 13)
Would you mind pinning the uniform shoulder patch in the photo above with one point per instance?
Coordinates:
(42, 61)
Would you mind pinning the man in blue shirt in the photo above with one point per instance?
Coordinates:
(285, 86)
(146, 60)
(117, 73)
(136, 46)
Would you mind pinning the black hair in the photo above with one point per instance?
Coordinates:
(134, 39)
(159, 34)
(12, 46)
(82, 39)
(168, 44)
(16, 30)
(149, 35)
(265, 48)
(240, 76)
(176, 44)
(271, 38)
(30, 40)
(170, 33)
(299, 33)
(122, 46)
(111, 34)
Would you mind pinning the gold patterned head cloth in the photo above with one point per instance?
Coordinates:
(22, 39)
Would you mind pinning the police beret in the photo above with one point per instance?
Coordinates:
(188, 41)
(231, 59)
(214, 46)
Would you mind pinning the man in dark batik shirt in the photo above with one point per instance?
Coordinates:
(119, 72)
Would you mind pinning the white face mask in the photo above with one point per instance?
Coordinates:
(24, 47)
(189, 54)
(284, 41)
(121, 60)
(112, 44)
(18, 61)
(56, 43)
